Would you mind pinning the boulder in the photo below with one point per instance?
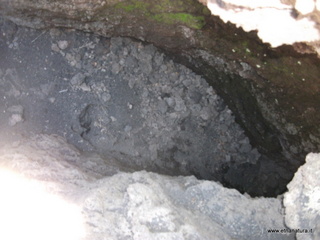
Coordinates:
(98, 199)
(302, 204)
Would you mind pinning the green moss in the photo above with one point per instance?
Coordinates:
(206, 11)
(134, 5)
(168, 5)
(196, 22)
(184, 12)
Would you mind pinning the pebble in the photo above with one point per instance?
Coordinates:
(105, 97)
(170, 101)
(54, 47)
(77, 79)
(127, 128)
(63, 44)
(17, 115)
(115, 69)
(162, 107)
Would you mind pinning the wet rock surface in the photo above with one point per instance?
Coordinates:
(113, 204)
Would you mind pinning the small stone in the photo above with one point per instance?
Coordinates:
(170, 101)
(205, 113)
(195, 108)
(146, 67)
(291, 128)
(115, 69)
(54, 47)
(85, 87)
(195, 96)
(15, 118)
(71, 59)
(131, 62)
(77, 79)
(145, 93)
(163, 107)
(127, 128)
(180, 106)
(63, 44)
(210, 91)
(131, 83)
(186, 82)
(105, 96)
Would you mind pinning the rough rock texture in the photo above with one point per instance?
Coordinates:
(274, 93)
(302, 201)
(122, 99)
(128, 100)
(141, 205)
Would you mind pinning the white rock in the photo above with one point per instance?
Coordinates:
(305, 6)
(63, 44)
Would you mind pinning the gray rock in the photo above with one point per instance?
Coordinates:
(162, 107)
(105, 96)
(15, 119)
(55, 47)
(302, 201)
(77, 79)
(115, 69)
(63, 44)
(170, 101)
(17, 115)
(109, 204)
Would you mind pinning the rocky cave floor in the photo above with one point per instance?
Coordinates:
(126, 107)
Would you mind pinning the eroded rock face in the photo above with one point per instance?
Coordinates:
(273, 92)
(113, 204)
(302, 200)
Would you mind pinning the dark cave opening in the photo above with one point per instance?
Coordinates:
(128, 100)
